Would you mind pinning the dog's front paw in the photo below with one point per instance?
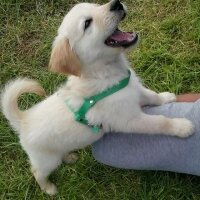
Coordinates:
(167, 97)
(182, 127)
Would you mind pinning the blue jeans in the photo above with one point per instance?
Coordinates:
(154, 152)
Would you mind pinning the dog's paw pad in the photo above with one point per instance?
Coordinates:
(70, 158)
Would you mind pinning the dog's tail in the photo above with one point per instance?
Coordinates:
(10, 95)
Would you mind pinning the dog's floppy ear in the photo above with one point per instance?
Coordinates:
(63, 59)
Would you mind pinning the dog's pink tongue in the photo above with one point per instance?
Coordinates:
(122, 36)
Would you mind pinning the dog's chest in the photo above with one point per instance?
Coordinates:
(113, 109)
(117, 108)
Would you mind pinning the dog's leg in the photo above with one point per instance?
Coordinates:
(42, 166)
(158, 124)
(70, 158)
(149, 97)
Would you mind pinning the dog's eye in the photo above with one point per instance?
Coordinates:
(87, 23)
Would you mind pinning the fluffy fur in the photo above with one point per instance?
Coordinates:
(48, 131)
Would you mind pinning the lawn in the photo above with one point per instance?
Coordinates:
(167, 58)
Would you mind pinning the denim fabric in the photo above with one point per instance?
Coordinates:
(154, 152)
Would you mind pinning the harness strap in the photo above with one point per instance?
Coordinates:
(79, 115)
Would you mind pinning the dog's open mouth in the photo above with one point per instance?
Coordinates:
(121, 39)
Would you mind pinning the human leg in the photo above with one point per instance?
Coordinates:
(144, 152)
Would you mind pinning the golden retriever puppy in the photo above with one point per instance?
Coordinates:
(90, 47)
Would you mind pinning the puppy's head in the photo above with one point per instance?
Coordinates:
(89, 35)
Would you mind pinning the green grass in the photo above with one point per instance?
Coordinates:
(168, 58)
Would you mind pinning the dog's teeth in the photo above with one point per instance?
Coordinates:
(113, 42)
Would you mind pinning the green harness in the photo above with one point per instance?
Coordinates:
(79, 115)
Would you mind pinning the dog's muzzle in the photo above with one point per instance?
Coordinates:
(116, 6)
(119, 38)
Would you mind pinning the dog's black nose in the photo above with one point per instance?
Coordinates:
(116, 5)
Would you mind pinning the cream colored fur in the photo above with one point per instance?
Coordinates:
(48, 131)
